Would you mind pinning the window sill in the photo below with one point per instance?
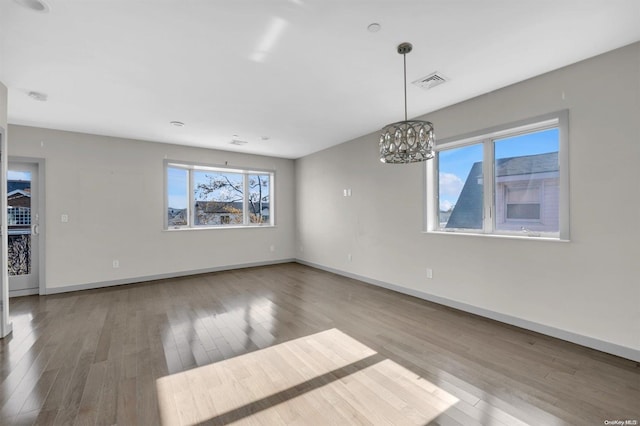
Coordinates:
(207, 228)
(500, 236)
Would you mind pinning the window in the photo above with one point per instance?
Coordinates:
(178, 197)
(522, 203)
(511, 180)
(259, 187)
(461, 171)
(206, 196)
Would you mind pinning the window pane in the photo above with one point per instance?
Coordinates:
(523, 211)
(460, 190)
(177, 196)
(523, 195)
(19, 222)
(527, 177)
(218, 198)
(259, 198)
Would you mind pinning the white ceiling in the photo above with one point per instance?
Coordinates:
(305, 73)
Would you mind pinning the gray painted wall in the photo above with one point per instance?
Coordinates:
(587, 287)
(3, 106)
(113, 193)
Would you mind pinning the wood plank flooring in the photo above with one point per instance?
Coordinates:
(289, 344)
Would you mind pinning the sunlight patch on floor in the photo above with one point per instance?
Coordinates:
(324, 378)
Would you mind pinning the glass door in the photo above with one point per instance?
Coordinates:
(22, 228)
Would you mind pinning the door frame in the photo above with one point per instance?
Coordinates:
(5, 323)
(40, 163)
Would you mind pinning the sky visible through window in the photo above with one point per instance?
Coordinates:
(18, 175)
(455, 164)
(232, 191)
(178, 188)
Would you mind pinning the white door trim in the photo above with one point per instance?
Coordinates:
(40, 162)
(5, 324)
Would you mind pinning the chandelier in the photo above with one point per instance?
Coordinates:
(407, 141)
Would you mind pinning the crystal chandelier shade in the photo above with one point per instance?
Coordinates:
(407, 141)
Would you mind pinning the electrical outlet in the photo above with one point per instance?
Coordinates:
(349, 257)
(64, 218)
(429, 273)
(272, 248)
(116, 264)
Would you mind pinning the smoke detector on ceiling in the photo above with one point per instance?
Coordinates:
(432, 80)
(374, 28)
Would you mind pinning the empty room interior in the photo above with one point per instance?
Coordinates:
(320, 212)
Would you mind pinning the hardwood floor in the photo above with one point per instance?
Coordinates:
(289, 344)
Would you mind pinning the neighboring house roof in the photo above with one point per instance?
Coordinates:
(222, 207)
(527, 164)
(467, 212)
(18, 193)
(12, 185)
(218, 207)
(19, 198)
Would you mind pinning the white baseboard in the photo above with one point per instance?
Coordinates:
(6, 330)
(24, 292)
(589, 342)
(134, 280)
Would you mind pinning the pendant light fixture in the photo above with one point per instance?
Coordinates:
(407, 141)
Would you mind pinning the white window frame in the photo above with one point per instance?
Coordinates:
(246, 172)
(486, 137)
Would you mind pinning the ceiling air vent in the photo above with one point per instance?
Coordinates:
(431, 81)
